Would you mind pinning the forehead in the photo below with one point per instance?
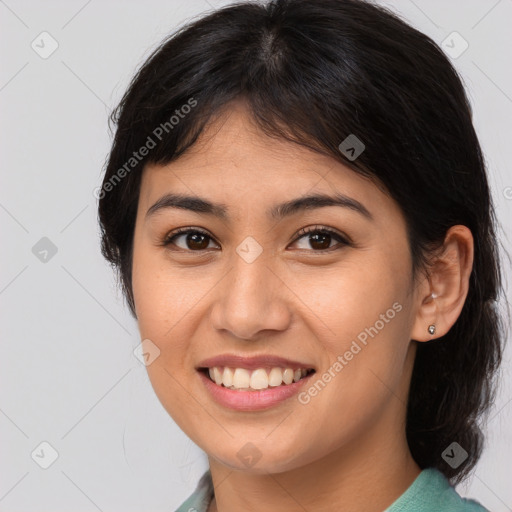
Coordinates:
(234, 163)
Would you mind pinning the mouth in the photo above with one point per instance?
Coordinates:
(257, 379)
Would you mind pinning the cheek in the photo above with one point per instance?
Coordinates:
(345, 299)
(170, 304)
(360, 314)
(165, 313)
(161, 297)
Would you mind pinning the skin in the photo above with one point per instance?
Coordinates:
(347, 445)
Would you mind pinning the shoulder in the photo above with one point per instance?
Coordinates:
(431, 491)
(200, 499)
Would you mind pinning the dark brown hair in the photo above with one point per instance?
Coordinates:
(314, 72)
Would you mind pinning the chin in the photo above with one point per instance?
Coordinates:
(258, 457)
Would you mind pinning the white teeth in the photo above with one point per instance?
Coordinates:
(288, 376)
(261, 378)
(227, 377)
(275, 377)
(241, 378)
(217, 376)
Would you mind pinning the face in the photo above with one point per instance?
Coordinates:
(326, 288)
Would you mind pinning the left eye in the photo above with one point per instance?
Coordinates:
(320, 238)
(195, 240)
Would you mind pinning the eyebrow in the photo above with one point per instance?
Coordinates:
(199, 205)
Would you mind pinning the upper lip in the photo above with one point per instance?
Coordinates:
(251, 363)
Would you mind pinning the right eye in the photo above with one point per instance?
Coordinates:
(195, 239)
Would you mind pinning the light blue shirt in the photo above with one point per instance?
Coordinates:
(430, 492)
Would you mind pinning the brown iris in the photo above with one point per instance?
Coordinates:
(317, 241)
(197, 241)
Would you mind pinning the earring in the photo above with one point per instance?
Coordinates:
(432, 329)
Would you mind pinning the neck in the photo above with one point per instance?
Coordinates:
(369, 478)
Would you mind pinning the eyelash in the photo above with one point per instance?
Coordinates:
(342, 240)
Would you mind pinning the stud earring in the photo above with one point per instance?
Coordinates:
(432, 329)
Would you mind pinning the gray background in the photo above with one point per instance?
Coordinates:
(69, 376)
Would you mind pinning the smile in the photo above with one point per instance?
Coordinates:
(255, 380)
(245, 397)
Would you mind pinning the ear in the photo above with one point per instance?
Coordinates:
(442, 296)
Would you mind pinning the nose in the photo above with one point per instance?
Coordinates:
(250, 300)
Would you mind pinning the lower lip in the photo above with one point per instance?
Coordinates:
(252, 400)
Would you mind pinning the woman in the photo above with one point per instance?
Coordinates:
(297, 206)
